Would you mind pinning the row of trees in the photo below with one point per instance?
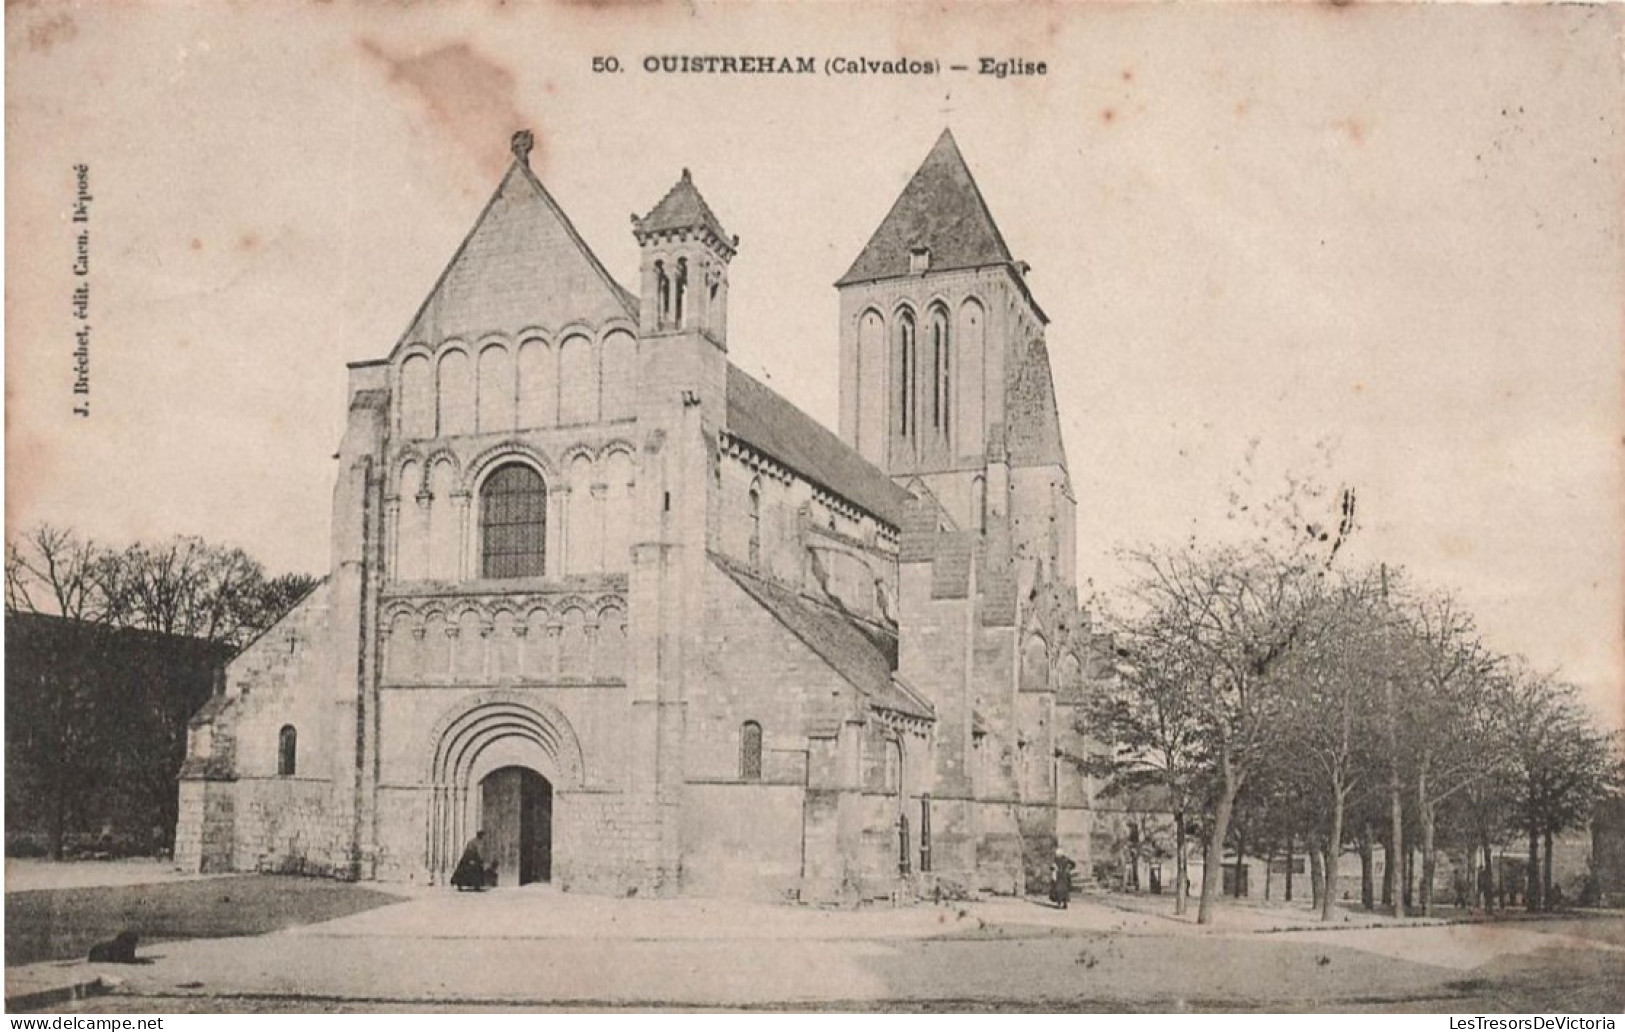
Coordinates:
(1271, 698)
(110, 652)
(184, 586)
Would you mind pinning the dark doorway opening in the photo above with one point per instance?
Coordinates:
(516, 811)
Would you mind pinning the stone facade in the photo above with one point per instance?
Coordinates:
(598, 593)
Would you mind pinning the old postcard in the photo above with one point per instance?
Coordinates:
(814, 506)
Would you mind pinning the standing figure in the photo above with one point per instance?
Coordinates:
(1060, 879)
(470, 872)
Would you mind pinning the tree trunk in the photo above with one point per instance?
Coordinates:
(1269, 871)
(1396, 809)
(1213, 861)
(59, 818)
(1291, 862)
(1410, 878)
(1334, 852)
(1472, 877)
(1387, 841)
(1424, 819)
(1181, 875)
(1241, 864)
(1424, 811)
(1531, 898)
(1489, 877)
(1367, 872)
(1317, 877)
(1546, 874)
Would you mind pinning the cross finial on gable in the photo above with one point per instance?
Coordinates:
(522, 143)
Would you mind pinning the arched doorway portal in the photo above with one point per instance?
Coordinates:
(516, 814)
(507, 763)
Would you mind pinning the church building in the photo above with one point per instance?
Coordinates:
(604, 596)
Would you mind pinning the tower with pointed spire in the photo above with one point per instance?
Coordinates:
(946, 386)
(944, 376)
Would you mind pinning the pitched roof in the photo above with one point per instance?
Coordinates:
(864, 658)
(683, 208)
(940, 209)
(763, 419)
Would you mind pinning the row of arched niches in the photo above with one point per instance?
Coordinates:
(566, 638)
(494, 385)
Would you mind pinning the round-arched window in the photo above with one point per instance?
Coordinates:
(513, 523)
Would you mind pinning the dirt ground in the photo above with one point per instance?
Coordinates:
(61, 924)
(287, 945)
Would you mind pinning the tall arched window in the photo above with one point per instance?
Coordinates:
(662, 294)
(750, 751)
(941, 362)
(679, 293)
(287, 751)
(755, 545)
(513, 523)
(909, 365)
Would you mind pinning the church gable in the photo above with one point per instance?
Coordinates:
(522, 265)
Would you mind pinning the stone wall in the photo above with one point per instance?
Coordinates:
(753, 668)
(279, 681)
(742, 840)
(288, 826)
(608, 843)
(204, 833)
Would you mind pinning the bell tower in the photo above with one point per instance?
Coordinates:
(685, 256)
(945, 381)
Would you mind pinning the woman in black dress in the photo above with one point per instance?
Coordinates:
(470, 871)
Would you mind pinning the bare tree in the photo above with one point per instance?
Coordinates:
(53, 570)
(1561, 763)
(1223, 620)
(1150, 739)
(1332, 708)
(187, 587)
(1455, 718)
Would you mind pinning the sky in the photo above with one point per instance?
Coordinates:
(1377, 245)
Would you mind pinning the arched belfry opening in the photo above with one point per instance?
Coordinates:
(500, 764)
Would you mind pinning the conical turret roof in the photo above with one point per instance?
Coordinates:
(683, 208)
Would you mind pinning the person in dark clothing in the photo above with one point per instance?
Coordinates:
(1060, 879)
(471, 871)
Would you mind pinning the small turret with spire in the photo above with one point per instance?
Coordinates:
(685, 265)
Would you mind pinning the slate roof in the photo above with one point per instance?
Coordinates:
(683, 208)
(941, 209)
(766, 421)
(863, 657)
